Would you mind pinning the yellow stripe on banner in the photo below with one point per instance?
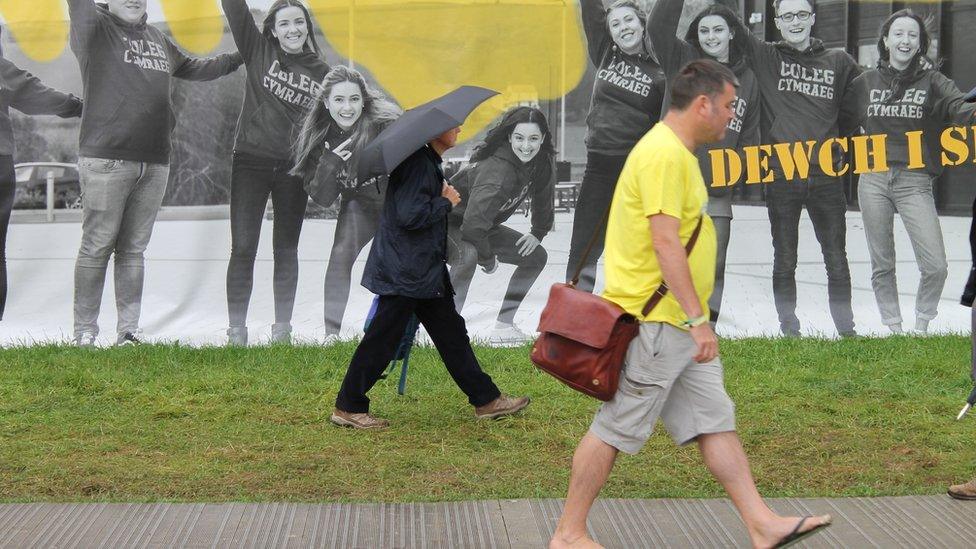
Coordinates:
(197, 25)
(419, 49)
(40, 27)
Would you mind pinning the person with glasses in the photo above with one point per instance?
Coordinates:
(806, 96)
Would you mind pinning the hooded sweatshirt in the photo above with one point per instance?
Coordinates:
(674, 53)
(627, 93)
(806, 95)
(492, 189)
(126, 70)
(280, 88)
(23, 91)
(929, 102)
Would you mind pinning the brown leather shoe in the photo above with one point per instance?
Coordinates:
(501, 406)
(964, 491)
(357, 421)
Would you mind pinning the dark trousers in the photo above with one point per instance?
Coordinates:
(358, 220)
(596, 193)
(723, 231)
(252, 181)
(463, 258)
(8, 188)
(446, 329)
(826, 204)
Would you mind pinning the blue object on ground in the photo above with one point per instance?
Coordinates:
(403, 349)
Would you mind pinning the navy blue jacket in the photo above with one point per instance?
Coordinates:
(409, 253)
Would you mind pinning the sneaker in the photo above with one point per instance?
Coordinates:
(506, 334)
(85, 339)
(502, 406)
(237, 336)
(964, 491)
(281, 332)
(364, 421)
(129, 338)
(921, 326)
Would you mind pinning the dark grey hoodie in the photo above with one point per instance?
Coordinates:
(280, 88)
(126, 70)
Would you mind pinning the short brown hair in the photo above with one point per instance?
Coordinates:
(701, 77)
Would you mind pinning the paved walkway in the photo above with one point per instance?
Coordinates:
(924, 522)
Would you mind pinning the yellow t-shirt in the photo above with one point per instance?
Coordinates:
(660, 176)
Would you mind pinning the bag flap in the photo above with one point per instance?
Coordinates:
(580, 316)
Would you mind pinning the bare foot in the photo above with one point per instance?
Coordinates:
(775, 532)
(580, 542)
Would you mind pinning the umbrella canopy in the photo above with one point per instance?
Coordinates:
(417, 127)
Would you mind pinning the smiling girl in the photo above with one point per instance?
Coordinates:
(515, 162)
(905, 93)
(284, 68)
(627, 97)
(714, 33)
(345, 116)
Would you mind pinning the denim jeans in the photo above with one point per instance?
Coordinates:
(463, 258)
(596, 193)
(120, 200)
(826, 204)
(253, 179)
(909, 193)
(358, 219)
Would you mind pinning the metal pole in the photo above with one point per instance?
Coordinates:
(562, 90)
(352, 23)
(50, 196)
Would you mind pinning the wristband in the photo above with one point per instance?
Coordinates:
(693, 322)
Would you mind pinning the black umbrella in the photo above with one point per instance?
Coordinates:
(417, 127)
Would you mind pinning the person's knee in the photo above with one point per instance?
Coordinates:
(537, 259)
(129, 258)
(938, 270)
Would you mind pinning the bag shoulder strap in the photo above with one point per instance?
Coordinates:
(662, 290)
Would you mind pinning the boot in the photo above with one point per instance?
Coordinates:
(281, 332)
(237, 336)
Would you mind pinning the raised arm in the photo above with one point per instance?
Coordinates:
(201, 68)
(84, 22)
(246, 34)
(949, 105)
(29, 96)
(662, 24)
(595, 27)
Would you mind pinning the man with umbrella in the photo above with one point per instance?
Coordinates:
(407, 264)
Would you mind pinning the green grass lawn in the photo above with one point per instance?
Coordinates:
(818, 418)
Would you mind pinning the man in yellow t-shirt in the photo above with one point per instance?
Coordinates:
(672, 370)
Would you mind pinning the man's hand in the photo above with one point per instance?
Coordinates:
(491, 266)
(451, 194)
(707, 342)
(527, 244)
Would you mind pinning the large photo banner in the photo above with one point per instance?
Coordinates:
(187, 170)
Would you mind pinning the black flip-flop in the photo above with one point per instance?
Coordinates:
(796, 536)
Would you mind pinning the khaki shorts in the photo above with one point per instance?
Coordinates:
(660, 379)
